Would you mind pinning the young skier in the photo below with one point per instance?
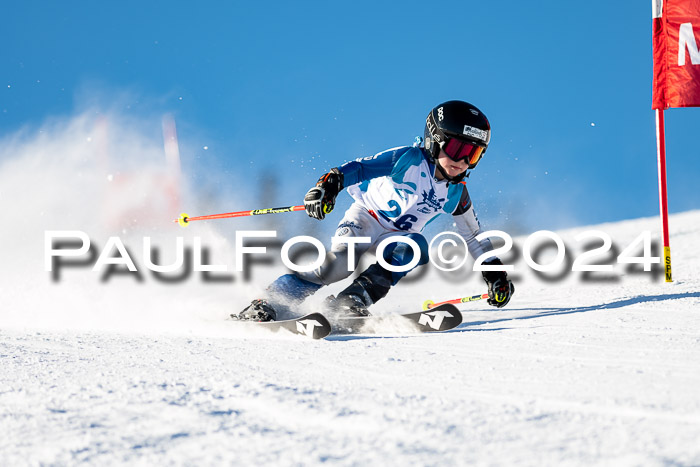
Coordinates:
(396, 192)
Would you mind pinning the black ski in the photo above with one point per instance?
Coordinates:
(440, 318)
(313, 325)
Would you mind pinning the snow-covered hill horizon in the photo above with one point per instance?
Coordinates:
(573, 372)
(119, 368)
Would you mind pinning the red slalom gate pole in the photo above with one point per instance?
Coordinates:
(428, 304)
(184, 219)
(663, 194)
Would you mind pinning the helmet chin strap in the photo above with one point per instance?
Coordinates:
(456, 179)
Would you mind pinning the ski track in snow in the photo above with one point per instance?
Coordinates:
(568, 374)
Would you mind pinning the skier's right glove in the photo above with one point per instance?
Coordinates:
(500, 287)
(320, 200)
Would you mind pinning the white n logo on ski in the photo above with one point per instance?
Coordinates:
(306, 327)
(437, 317)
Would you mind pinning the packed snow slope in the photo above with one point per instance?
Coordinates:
(113, 368)
(577, 373)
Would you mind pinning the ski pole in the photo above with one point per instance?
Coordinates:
(428, 304)
(185, 219)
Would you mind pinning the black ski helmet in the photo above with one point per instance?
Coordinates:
(457, 120)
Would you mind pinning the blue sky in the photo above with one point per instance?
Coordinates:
(295, 88)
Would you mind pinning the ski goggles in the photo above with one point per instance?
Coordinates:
(458, 150)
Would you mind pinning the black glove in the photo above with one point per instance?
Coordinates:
(500, 287)
(320, 200)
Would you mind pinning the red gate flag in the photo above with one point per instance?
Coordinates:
(675, 29)
(676, 36)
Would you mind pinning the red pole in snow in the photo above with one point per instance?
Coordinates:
(663, 195)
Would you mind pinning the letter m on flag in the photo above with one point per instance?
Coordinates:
(676, 40)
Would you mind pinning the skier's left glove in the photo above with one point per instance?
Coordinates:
(320, 200)
(500, 287)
